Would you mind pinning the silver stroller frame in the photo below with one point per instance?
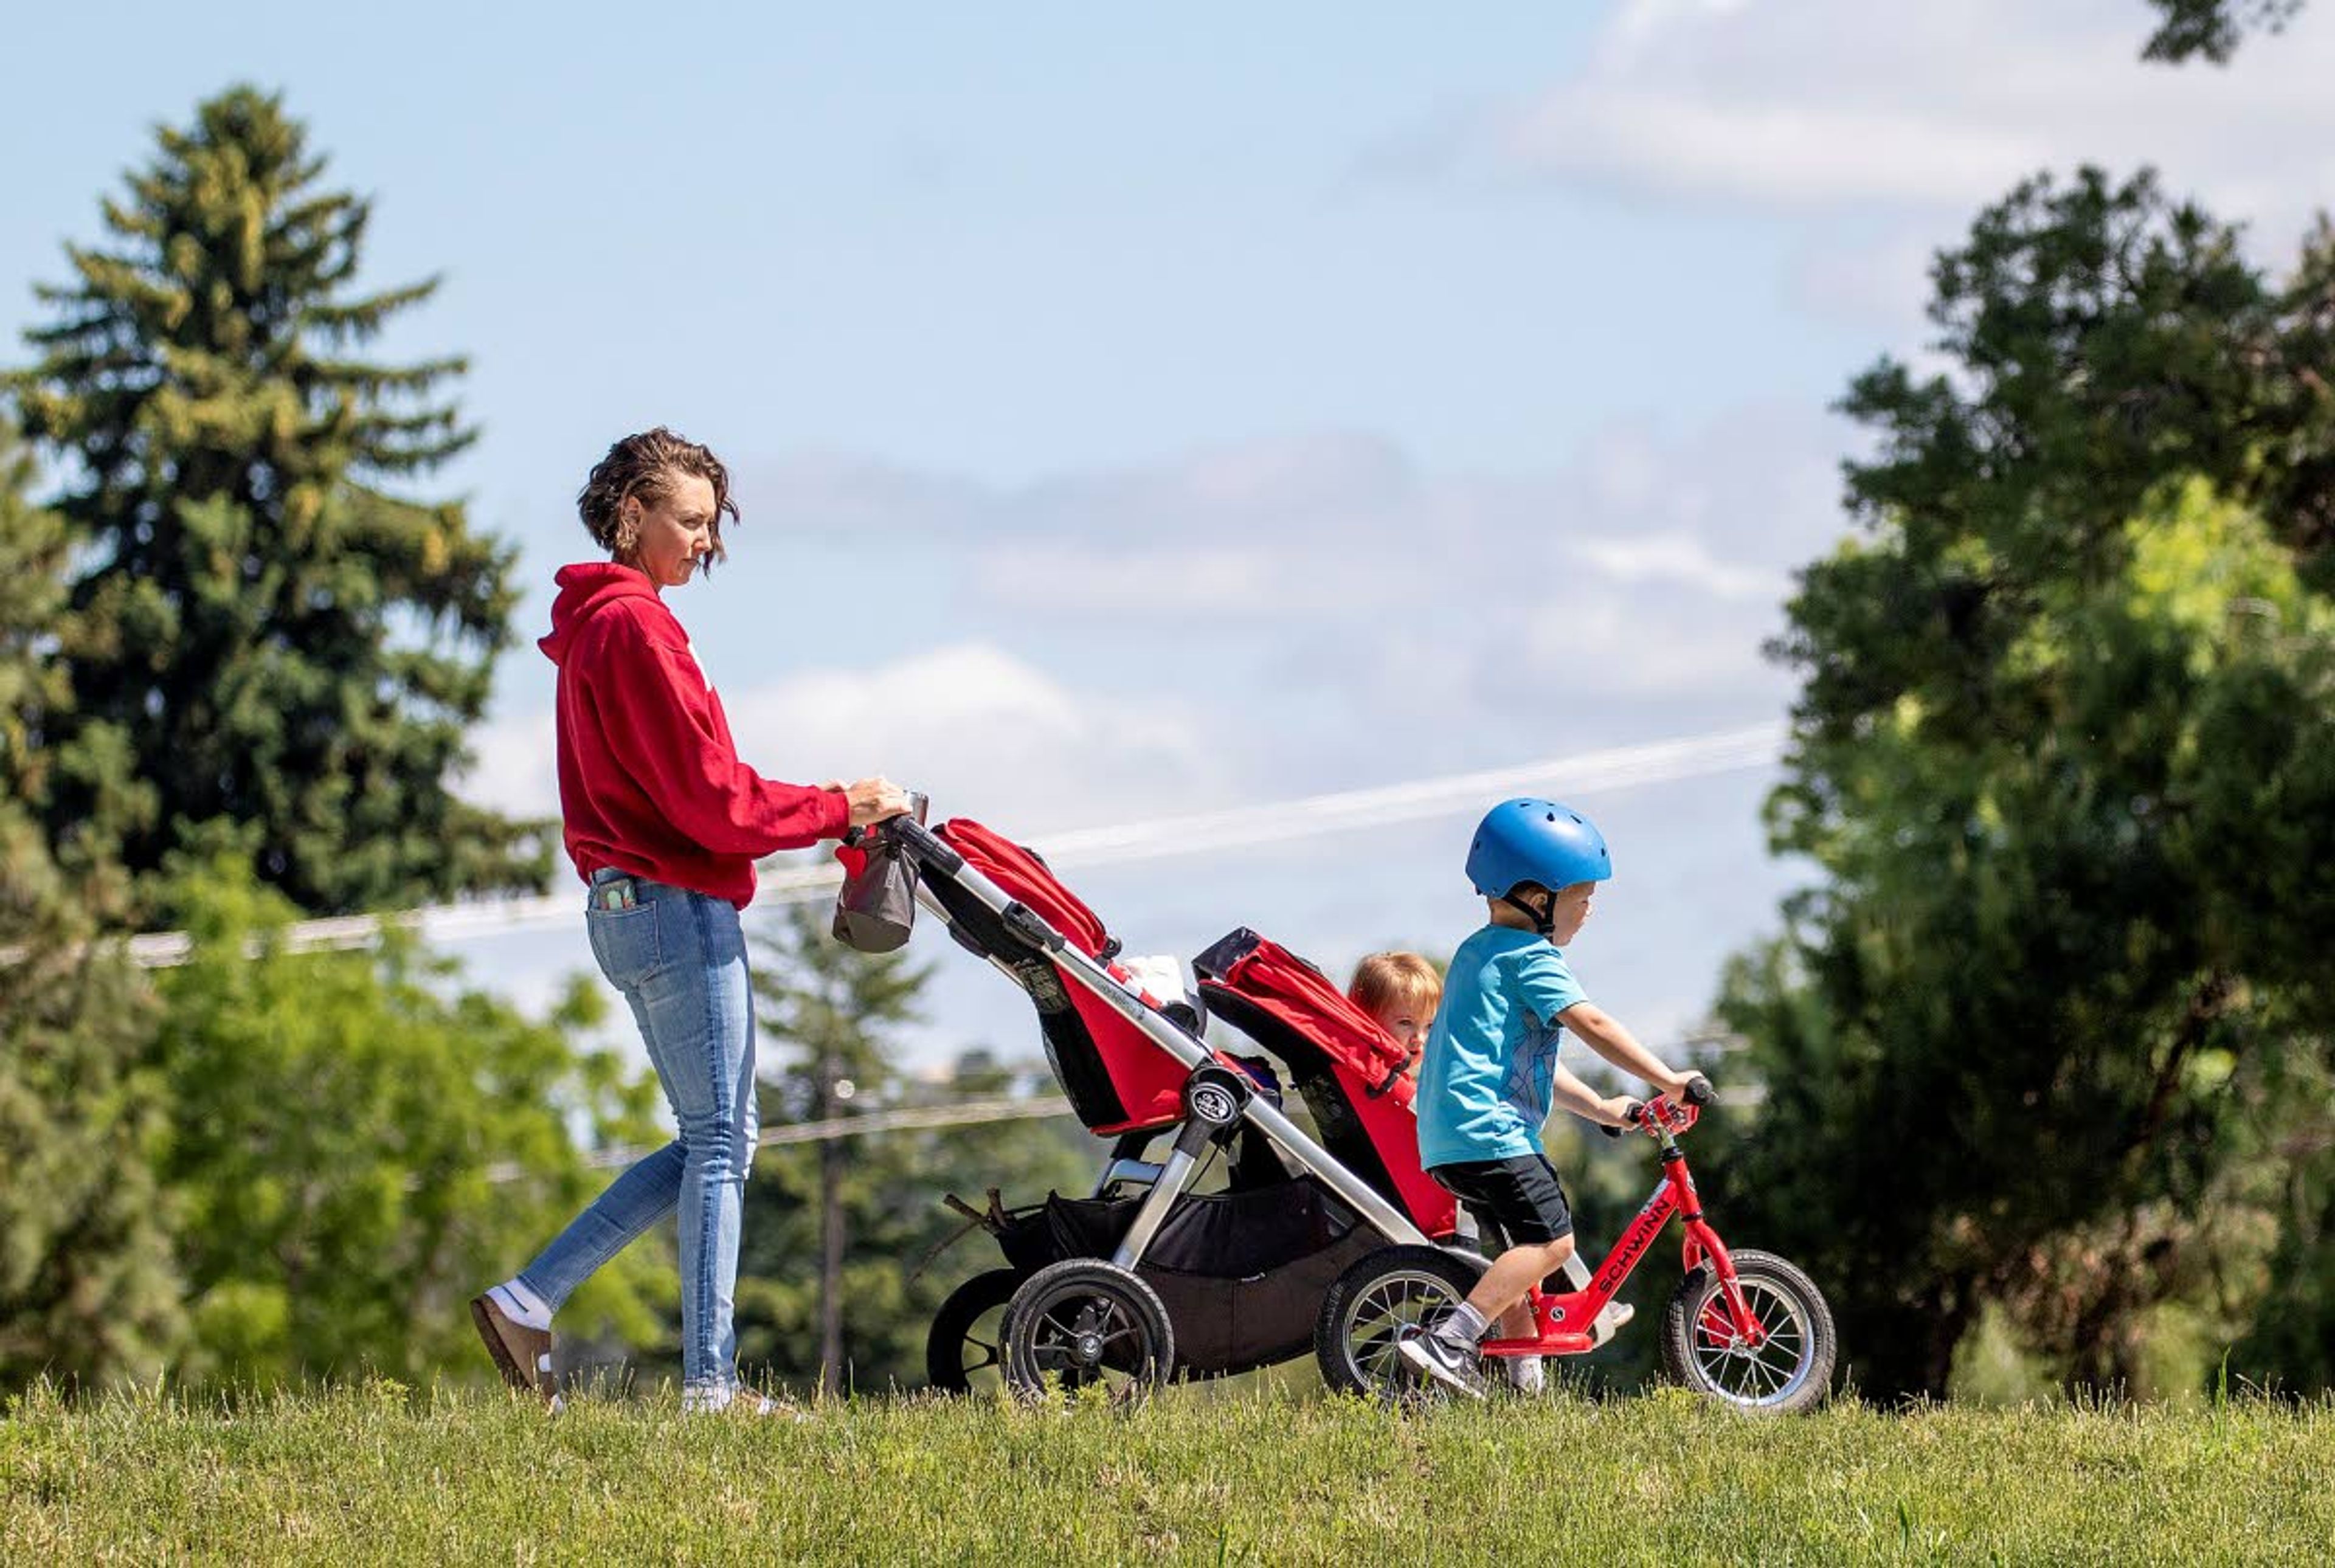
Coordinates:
(1216, 1099)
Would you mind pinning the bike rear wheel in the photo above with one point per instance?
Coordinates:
(1790, 1367)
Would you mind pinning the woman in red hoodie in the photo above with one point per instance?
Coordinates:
(665, 824)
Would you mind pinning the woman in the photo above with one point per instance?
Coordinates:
(665, 824)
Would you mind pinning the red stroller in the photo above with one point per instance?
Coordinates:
(1147, 1279)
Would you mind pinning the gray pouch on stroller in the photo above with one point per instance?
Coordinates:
(875, 907)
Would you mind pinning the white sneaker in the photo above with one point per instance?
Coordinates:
(1611, 1321)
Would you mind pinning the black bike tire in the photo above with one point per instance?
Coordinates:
(1771, 1272)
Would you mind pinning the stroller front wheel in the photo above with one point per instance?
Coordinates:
(1083, 1322)
(1373, 1301)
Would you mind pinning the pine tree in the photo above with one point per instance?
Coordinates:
(270, 644)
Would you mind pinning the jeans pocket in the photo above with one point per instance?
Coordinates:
(626, 944)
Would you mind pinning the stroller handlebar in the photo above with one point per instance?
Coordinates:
(916, 840)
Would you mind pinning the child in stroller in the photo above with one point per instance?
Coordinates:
(1148, 1277)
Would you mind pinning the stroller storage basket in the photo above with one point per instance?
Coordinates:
(1242, 1273)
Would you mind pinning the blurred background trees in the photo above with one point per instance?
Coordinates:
(2050, 1038)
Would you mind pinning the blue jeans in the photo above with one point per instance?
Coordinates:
(680, 959)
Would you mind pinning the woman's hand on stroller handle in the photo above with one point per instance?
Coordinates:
(875, 799)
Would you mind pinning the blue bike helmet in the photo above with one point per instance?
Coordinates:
(1530, 840)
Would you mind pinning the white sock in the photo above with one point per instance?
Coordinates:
(1463, 1325)
(521, 1305)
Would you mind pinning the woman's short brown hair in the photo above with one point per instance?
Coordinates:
(644, 466)
(1385, 981)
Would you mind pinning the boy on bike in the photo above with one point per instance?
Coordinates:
(1490, 1074)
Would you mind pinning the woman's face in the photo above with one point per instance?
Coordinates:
(676, 533)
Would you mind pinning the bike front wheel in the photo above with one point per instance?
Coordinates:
(1785, 1369)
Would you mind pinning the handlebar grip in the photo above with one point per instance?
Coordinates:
(920, 844)
(1699, 1092)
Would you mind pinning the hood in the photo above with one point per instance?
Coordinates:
(584, 588)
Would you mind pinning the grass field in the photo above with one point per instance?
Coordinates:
(379, 1474)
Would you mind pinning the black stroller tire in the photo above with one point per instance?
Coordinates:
(950, 1361)
(1375, 1298)
(1082, 1322)
(1792, 1372)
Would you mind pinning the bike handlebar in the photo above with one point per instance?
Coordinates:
(1697, 1094)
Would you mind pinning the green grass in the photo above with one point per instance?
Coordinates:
(377, 1476)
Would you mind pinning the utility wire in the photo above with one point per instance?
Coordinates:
(980, 1112)
(1197, 833)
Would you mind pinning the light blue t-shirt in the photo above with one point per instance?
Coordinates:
(1484, 1080)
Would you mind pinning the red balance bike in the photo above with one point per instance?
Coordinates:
(1746, 1328)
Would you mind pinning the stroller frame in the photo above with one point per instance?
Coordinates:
(1216, 1099)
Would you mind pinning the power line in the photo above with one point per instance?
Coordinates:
(1197, 833)
(914, 1118)
(980, 1112)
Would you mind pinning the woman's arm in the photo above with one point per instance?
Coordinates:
(655, 699)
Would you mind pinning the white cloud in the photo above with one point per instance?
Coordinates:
(1825, 103)
(1680, 560)
(979, 729)
(1322, 595)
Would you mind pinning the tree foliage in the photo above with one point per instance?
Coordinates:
(88, 1291)
(2212, 28)
(358, 1147)
(2060, 757)
(268, 643)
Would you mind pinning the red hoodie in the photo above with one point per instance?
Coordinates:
(649, 779)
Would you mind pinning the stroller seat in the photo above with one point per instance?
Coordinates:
(1347, 1069)
(1118, 1081)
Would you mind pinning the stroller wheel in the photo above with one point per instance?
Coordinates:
(1372, 1302)
(1083, 1322)
(966, 1347)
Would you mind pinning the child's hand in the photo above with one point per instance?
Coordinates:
(1616, 1111)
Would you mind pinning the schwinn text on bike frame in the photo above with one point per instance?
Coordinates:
(1637, 1238)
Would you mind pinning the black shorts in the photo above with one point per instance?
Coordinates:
(1520, 1195)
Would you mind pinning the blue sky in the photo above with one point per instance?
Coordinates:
(1141, 412)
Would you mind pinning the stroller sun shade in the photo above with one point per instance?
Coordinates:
(1347, 1070)
(1116, 1080)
